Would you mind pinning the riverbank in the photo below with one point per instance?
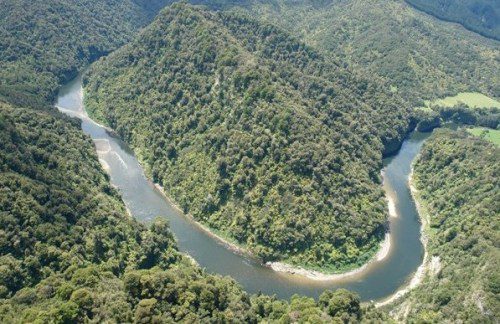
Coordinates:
(383, 252)
(224, 241)
(385, 247)
(216, 252)
(421, 271)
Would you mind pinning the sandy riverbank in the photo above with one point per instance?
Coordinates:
(385, 247)
(419, 275)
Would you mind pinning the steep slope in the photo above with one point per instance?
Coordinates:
(457, 177)
(44, 43)
(69, 253)
(254, 134)
(418, 56)
(481, 16)
(52, 187)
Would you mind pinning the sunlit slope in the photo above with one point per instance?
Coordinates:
(254, 133)
(457, 179)
(419, 56)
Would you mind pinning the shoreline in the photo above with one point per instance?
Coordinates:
(382, 253)
(423, 268)
(229, 245)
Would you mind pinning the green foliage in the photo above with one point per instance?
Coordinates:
(427, 120)
(54, 198)
(471, 99)
(460, 114)
(457, 179)
(492, 135)
(481, 16)
(342, 304)
(254, 133)
(44, 43)
(68, 250)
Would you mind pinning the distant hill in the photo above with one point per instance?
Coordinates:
(44, 43)
(254, 133)
(418, 56)
(481, 16)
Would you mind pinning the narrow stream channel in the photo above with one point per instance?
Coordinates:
(377, 281)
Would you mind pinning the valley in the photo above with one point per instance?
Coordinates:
(143, 201)
(249, 161)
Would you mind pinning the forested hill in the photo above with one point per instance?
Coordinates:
(457, 176)
(254, 133)
(43, 43)
(419, 56)
(481, 16)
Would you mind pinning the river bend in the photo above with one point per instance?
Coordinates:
(378, 280)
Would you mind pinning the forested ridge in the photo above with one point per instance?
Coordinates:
(70, 253)
(45, 43)
(418, 56)
(457, 177)
(481, 16)
(254, 133)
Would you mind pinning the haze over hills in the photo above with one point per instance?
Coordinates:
(254, 133)
(418, 56)
(481, 16)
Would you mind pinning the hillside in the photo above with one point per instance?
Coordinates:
(254, 133)
(416, 55)
(481, 16)
(44, 43)
(457, 179)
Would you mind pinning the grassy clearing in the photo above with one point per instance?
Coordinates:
(492, 135)
(471, 99)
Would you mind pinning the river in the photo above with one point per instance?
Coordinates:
(378, 280)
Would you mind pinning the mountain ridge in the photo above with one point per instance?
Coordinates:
(247, 114)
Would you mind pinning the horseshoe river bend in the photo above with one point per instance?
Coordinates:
(390, 271)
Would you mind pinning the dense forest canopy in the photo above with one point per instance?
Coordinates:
(457, 176)
(44, 43)
(481, 16)
(69, 251)
(254, 133)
